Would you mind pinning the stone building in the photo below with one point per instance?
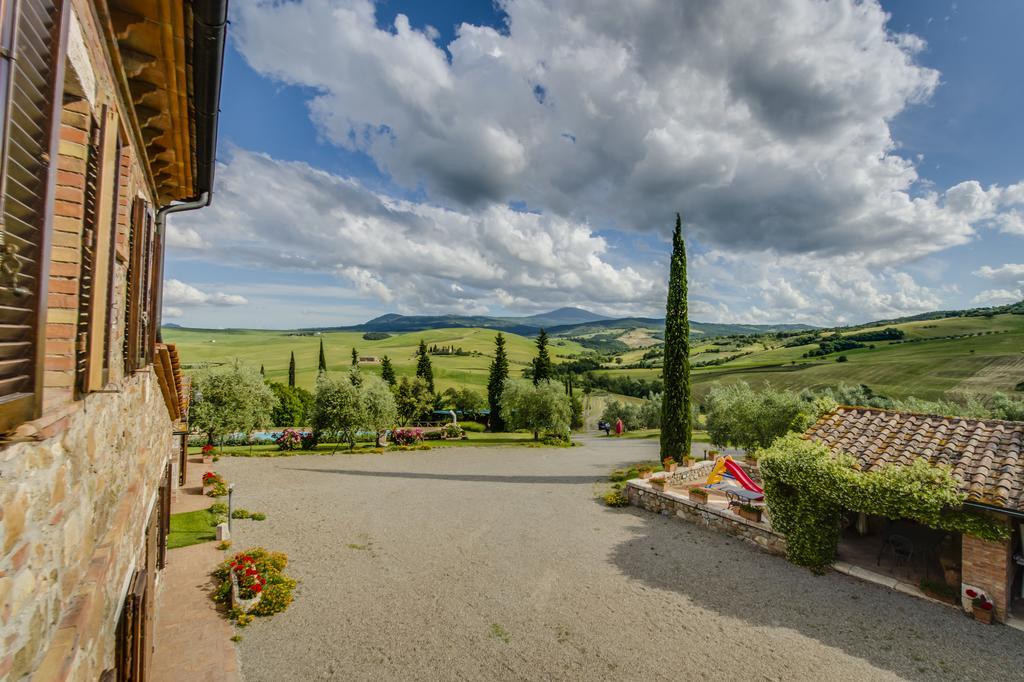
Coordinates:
(986, 458)
(109, 115)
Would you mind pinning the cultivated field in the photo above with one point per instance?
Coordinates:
(272, 348)
(931, 368)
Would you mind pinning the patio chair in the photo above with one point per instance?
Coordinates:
(901, 548)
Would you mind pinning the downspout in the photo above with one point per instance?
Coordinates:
(161, 220)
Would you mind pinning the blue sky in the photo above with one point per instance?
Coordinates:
(837, 167)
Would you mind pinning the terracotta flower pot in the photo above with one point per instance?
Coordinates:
(658, 483)
(753, 515)
(699, 496)
(671, 468)
(982, 615)
(644, 475)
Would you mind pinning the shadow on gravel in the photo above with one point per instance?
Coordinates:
(910, 637)
(470, 478)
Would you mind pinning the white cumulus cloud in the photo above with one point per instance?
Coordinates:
(178, 293)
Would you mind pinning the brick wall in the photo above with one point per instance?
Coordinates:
(987, 565)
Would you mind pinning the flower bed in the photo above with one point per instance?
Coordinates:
(218, 487)
(407, 436)
(290, 439)
(253, 584)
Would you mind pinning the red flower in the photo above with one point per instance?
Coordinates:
(207, 448)
(257, 588)
(986, 605)
(250, 571)
(971, 593)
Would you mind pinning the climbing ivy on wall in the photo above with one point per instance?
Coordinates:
(806, 489)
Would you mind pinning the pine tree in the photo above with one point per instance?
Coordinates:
(322, 367)
(496, 381)
(424, 370)
(387, 372)
(542, 363)
(355, 357)
(675, 403)
(291, 371)
(263, 372)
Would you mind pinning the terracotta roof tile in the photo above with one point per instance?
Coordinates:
(985, 454)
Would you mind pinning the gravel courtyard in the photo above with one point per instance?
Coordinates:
(499, 564)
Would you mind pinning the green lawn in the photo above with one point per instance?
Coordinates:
(272, 349)
(363, 448)
(191, 528)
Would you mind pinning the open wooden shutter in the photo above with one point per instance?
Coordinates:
(106, 235)
(87, 277)
(138, 286)
(130, 650)
(33, 35)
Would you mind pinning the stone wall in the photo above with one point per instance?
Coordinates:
(73, 513)
(642, 495)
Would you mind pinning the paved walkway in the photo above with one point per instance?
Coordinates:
(193, 639)
(498, 564)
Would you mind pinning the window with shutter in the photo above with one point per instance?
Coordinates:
(33, 35)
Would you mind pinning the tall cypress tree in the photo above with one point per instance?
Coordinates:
(355, 357)
(263, 372)
(542, 363)
(675, 402)
(387, 372)
(291, 371)
(322, 367)
(424, 370)
(495, 380)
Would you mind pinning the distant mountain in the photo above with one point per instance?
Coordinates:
(563, 316)
(561, 322)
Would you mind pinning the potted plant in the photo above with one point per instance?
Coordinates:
(981, 607)
(208, 454)
(658, 482)
(246, 584)
(689, 461)
(750, 513)
(669, 464)
(645, 472)
(699, 495)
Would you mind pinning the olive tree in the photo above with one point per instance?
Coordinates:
(541, 407)
(337, 409)
(738, 415)
(380, 412)
(232, 401)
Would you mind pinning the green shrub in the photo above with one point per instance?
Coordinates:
(615, 498)
(240, 513)
(219, 508)
(258, 516)
(473, 427)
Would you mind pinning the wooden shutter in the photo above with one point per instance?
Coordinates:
(33, 34)
(138, 286)
(106, 236)
(87, 275)
(130, 650)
